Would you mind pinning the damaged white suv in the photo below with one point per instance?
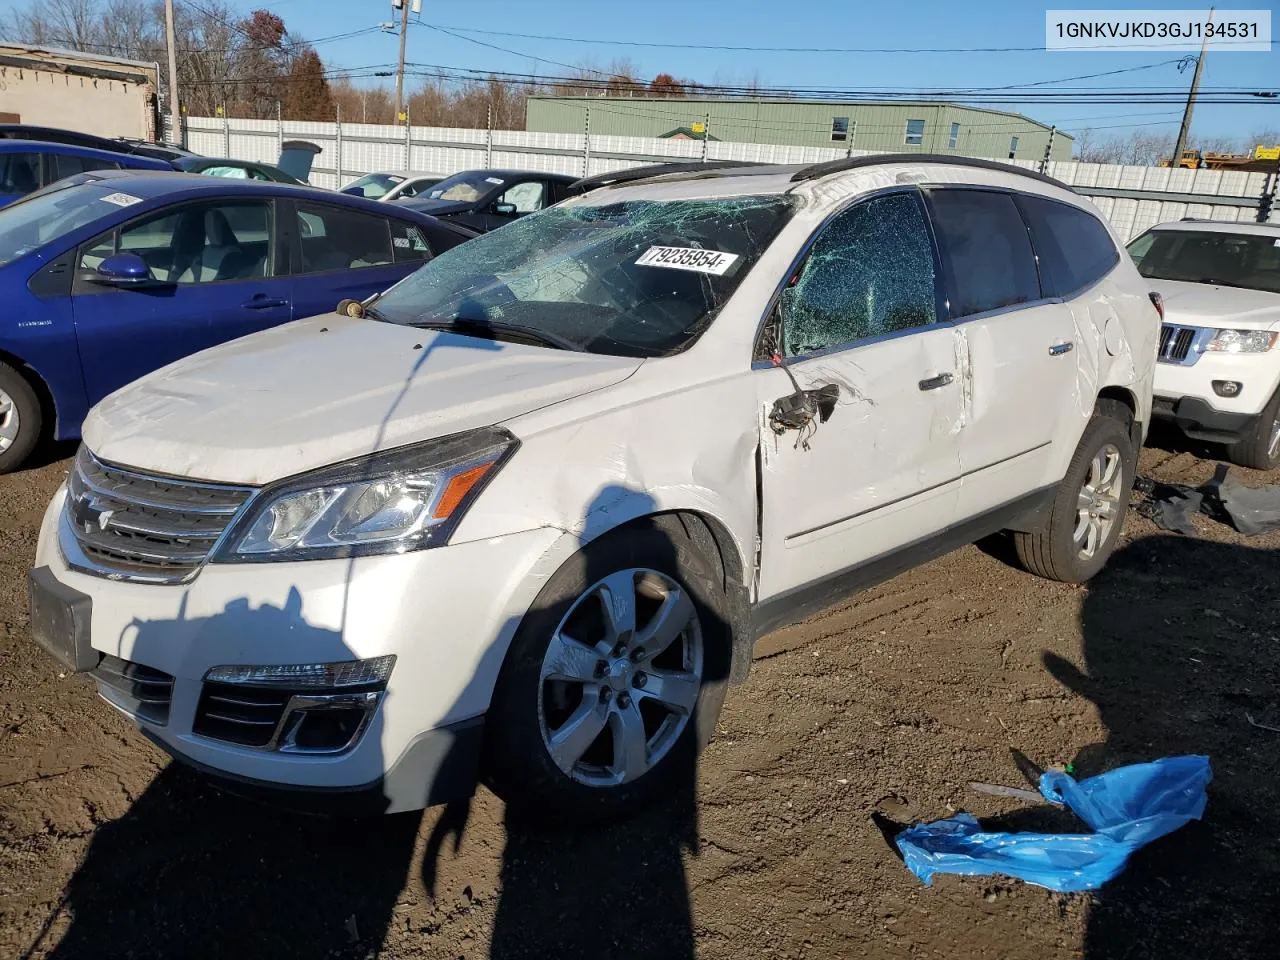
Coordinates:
(525, 517)
(1218, 377)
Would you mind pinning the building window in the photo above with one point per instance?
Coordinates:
(840, 128)
(953, 140)
(915, 132)
(1013, 147)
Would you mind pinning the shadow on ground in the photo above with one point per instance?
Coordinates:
(1181, 642)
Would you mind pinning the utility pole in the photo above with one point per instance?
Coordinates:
(1048, 149)
(404, 32)
(1184, 131)
(175, 112)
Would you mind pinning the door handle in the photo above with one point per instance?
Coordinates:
(933, 383)
(264, 303)
(1061, 349)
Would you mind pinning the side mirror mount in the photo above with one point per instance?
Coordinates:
(505, 209)
(123, 270)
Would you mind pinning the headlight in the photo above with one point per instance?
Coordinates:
(392, 502)
(1242, 341)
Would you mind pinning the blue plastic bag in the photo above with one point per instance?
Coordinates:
(1127, 808)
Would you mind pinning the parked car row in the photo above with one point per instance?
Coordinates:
(523, 513)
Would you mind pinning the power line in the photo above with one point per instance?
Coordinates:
(758, 49)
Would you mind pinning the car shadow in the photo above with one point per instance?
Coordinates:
(191, 871)
(597, 888)
(194, 871)
(1181, 648)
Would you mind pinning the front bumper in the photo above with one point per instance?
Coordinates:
(1199, 420)
(1184, 393)
(447, 615)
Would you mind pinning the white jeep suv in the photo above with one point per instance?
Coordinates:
(1218, 376)
(525, 514)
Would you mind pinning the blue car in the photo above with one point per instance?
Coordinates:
(28, 165)
(107, 276)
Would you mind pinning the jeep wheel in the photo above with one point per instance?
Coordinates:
(1260, 447)
(614, 679)
(1088, 510)
(20, 419)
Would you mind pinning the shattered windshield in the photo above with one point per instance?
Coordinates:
(1193, 256)
(639, 278)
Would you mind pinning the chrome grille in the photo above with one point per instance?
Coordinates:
(1176, 344)
(145, 526)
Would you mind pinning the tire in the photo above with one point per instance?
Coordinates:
(21, 419)
(531, 711)
(1054, 552)
(1260, 447)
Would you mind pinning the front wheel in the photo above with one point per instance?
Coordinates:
(21, 420)
(1088, 510)
(1260, 447)
(614, 679)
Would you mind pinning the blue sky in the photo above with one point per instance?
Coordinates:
(822, 23)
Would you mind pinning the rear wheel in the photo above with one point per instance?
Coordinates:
(614, 679)
(1088, 510)
(1260, 447)
(21, 419)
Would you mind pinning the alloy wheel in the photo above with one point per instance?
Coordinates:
(620, 678)
(1098, 503)
(10, 423)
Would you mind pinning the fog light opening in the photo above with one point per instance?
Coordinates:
(1227, 388)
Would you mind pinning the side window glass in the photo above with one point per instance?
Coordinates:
(407, 242)
(333, 238)
(525, 197)
(68, 166)
(19, 172)
(92, 255)
(201, 243)
(1075, 249)
(870, 272)
(986, 241)
(231, 173)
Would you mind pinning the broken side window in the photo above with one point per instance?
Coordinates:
(869, 273)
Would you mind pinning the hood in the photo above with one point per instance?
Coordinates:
(1211, 305)
(327, 389)
(439, 208)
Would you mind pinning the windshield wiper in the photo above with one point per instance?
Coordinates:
(466, 325)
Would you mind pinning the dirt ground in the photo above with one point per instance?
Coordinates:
(890, 703)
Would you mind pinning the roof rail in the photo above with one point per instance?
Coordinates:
(817, 170)
(616, 177)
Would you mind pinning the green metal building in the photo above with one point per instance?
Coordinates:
(893, 126)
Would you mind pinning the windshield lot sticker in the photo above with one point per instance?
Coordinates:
(688, 258)
(121, 199)
(496, 180)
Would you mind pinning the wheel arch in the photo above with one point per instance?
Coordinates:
(48, 405)
(1128, 399)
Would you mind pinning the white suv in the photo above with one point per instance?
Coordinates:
(1218, 376)
(527, 515)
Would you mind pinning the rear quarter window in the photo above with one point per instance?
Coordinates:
(1074, 248)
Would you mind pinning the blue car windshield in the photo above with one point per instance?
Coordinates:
(45, 216)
